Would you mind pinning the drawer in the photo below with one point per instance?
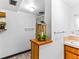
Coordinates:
(70, 56)
(71, 49)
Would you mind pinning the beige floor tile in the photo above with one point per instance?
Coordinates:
(22, 56)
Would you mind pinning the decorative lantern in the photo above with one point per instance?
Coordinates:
(41, 31)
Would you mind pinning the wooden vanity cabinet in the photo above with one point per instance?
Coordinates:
(78, 57)
(70, 55)
(70, 52)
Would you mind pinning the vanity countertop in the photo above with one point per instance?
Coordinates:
(72, 41)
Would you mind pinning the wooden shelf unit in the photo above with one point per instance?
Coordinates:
(35, 44)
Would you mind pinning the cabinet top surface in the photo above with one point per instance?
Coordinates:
(71, 38)
(72, 41)
(47, 41)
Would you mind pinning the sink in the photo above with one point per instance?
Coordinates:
(75, 35)
(72, 43)
(75, 43)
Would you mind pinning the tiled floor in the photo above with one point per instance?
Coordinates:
(22, 56)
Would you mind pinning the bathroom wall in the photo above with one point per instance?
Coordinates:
(57, 19)
(61, 16)
(60, 25)
(17, 36)
(48, 17)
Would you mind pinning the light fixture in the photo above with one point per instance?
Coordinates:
(30, 7)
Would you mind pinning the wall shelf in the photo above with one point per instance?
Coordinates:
(2, 21)
(2, 14)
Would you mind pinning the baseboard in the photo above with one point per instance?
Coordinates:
(16, 54)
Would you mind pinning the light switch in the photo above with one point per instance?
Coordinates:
(29, 29)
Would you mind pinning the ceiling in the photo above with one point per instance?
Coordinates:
(39, 4)
(22, 4)
(5, 4)
(72, 3)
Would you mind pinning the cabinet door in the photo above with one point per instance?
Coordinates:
(70, 55)
(78, 57)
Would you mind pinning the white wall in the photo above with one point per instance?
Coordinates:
(16, 39)
(48, 17)
(62, 15)
(60, 23)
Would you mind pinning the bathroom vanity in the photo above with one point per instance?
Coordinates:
(71, 52)
(71, 48)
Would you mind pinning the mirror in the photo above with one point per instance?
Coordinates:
(72, 11)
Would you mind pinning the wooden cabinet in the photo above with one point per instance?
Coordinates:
(70, 55)
(36, 48)
(78, 57)
(71, 52)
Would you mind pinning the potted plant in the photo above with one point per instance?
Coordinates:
(41, 37)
